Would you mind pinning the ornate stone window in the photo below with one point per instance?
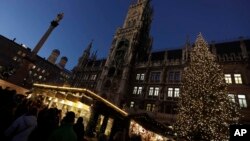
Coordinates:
(170, 92)
(93, 77)
(150, 107)
(176, 92)
(153, 91)
(242, 100)
(137, 90)
(228, 78)
(140, 76)
(174, 76)
(155, 76)
(237, 79)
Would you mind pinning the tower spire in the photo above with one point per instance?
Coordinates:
(88, 49)
(93, 55)
(85, 56)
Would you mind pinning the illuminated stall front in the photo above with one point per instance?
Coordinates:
(100, 116)
(82, 102)
(149, 129)
(65, 101)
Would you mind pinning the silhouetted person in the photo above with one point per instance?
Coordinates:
(79, 129)
(102, 137)
(65, 132)
(47, 122)
(119, 135)
(22, 108)
(7, 108)
(21, 128)
(135, 138)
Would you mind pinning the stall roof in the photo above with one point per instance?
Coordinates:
(85, 91)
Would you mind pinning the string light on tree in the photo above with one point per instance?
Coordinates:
(205, 110)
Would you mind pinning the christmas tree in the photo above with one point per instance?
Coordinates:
(205, 110)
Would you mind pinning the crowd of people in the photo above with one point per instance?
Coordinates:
(31, 120)
(24, 119)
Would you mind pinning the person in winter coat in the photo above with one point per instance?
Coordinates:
(65, 132)
(21, 128)
(79, 129)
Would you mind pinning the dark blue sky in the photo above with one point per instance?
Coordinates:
(27, 20)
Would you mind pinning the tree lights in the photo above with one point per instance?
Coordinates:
(205, 110)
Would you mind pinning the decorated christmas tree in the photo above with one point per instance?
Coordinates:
(205, 110)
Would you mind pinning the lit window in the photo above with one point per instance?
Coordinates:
(139, 90)
(148, 108)
(132, 104)
(242, 101)
(237, 78)
(176, 92)
(23, 54)
(35, 74)
(38, 69)
(33, 67)
(138, 77)
(135, 90)
(228, 78)
(231, 97)
(142, 76)
(153, 107)
(43, 71)
(156, 93)
(151, 91)
(93, 77)
(170, 92)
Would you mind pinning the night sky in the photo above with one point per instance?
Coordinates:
(84, 20)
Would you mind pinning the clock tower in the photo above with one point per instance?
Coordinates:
(131, 43)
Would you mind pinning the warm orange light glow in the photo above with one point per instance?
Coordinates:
(92, 94)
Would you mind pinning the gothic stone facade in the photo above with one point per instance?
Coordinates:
(139, 80)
